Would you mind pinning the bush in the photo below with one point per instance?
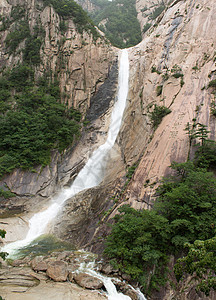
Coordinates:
(15, 37)
(156, 12)
(157, 115)
(146, 27)
(6, 194)
(159, 90)
(177, 75)
(200, 262)
(212, 84)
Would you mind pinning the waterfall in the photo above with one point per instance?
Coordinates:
(92, 173)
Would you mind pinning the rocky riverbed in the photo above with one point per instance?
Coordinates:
(60, 275)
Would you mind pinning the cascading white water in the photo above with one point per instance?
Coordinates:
(91, 174)
(110, 287)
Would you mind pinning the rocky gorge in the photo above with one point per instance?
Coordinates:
(181, 41)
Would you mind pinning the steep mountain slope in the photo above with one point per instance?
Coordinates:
(149, 10)
(63, 57)
(117, 19)
(182, 43)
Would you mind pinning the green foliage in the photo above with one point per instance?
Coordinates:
(21, 32)
(212, 84)
(205, 156)
(6, 194)
(15, 37)
(31, 52)
(177, 75)
(63, 26)
(17, 12)
(182, 82)
(131, 171)
(213, 108)
(35, 122)
(165, 76)
(188, 201)
(155, 70)
(122, 27)
(70, 9)
(157, 114)
(159, 90)
(156, 12)
(20, 78)
(197, 131)
(146, 27)
(200, 262)
(185, 211)
(176, 69)
(2, 235)
(133, 246)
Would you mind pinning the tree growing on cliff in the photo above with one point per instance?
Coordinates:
(138, 245)
(188, 201)
(184, 212)
(200, 263)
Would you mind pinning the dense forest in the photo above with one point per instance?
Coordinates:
(118, 20)
(181, 223)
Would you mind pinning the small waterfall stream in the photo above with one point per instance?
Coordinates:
(110, 287)
(92, 173)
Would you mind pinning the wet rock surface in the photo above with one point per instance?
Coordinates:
(54, 276)
(88, 281)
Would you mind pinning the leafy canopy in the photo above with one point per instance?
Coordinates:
(33, 121)
(200, 262)
(118, 19)
(133, 244)
(184, 212)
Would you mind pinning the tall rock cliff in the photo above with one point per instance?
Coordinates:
(172, 67)
(80, 59)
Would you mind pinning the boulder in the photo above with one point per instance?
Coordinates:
(57, 270)
(126, 277)
(88, 281)
(38, 264)
(108, 269)
(126, 289)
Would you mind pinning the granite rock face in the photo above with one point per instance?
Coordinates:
(182, 42)
(82, 63)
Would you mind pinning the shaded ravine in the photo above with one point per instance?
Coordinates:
(92, 173)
